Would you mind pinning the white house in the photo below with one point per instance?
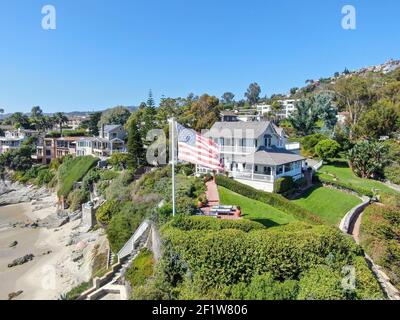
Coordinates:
(256, 153)
(13, 139)
(111, 140)
(287, 108)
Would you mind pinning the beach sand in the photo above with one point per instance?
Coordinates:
(49, 274)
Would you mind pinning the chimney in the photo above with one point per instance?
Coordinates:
(102, 130)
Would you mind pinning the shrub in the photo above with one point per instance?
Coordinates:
(284, 184)
(124, 222)
(379, 234)
(213, 260)
(321, 283)
(308, 143)
(185, 205)
(274, 200)
(265, 287)
(209, 223)
(77, 197)
(392, 172)
(106, 212)
(327, 149)
(368, 159)
(106, 175)
(44, 177)
(119, 188)
(119, 160)
(140, 269)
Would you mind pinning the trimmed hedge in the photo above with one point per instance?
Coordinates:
(220, 259)
(209, 223)
(272, 199)
(284, 184)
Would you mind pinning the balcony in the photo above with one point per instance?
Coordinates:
(248, 175)
(237, 149)
(291, 146)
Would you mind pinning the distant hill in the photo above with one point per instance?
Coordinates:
(71, 113)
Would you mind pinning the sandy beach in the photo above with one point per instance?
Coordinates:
(55, 268)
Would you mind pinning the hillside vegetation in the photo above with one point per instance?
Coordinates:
(73, 170)
(295, 261)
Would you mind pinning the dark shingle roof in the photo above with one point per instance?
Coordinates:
(273, 156)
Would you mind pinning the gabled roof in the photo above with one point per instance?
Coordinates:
(229, 129)
(273, 156)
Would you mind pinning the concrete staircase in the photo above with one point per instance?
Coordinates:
(113, 285)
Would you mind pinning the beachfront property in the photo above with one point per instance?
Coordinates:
(256, 153)
(111, 140)
(53, 148)
(14, 138)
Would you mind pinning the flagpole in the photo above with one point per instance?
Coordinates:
(172, 120)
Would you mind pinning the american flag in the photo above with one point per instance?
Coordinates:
(197, 149)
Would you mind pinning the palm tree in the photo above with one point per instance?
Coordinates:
(60, 118)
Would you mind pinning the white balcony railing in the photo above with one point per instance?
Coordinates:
(248, 175)
(292, 146)
(237, 149)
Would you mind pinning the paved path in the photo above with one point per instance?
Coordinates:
(212, 196)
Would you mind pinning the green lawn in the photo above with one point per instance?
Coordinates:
(255, 210)
(345, 174)
(329, 204)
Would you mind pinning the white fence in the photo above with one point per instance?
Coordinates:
(129, 245)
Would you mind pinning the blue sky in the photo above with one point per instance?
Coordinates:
(106, 53)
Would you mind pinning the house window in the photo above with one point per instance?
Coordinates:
(267, 170)
(267, 140)
(255, 168)
(255, 143)
(288, 167)
(279, 169)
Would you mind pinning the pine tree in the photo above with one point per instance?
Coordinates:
(150, 101)
(135, 145)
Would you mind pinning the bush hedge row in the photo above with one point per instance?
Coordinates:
(272, 199)
(224, 258)
(284, 184)
(208, 223)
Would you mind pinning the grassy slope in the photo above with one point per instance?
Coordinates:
(329, 204)
(344, 173)
(74, 172)
(255, 210)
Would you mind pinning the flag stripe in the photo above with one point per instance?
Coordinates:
(197, 149)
